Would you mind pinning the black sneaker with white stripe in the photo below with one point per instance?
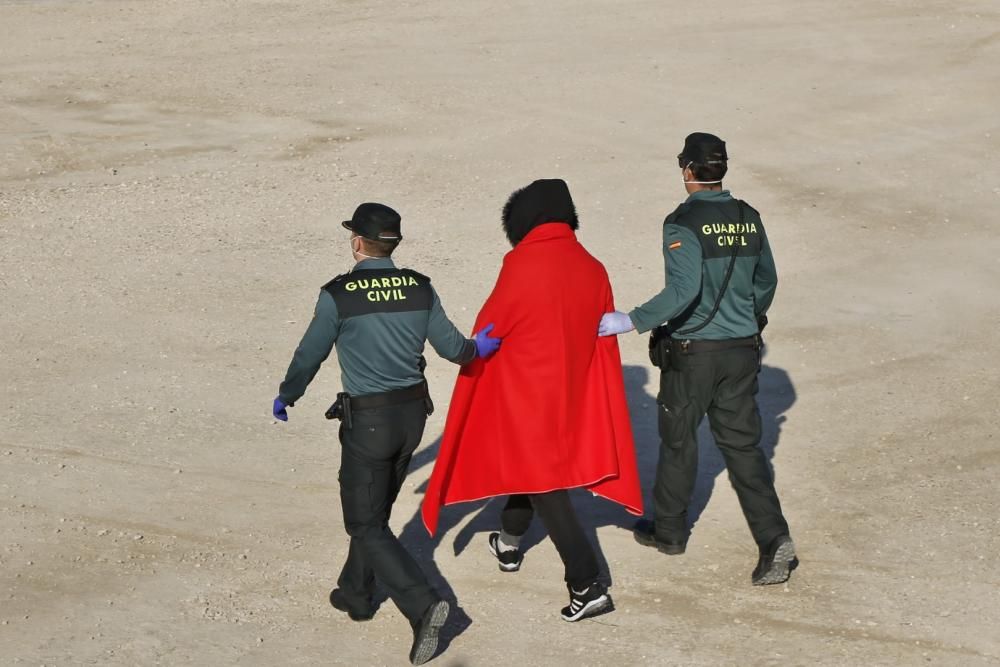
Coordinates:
(510, 560)
(593, 601)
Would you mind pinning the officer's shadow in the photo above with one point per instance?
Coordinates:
(776, 395)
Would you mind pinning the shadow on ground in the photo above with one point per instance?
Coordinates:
(777, 395)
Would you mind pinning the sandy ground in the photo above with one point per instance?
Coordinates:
(171, 178)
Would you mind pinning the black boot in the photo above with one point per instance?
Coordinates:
(340, 603)
(644, 532)
(776, 562)
(425, 632)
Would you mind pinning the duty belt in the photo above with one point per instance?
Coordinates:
(345, 405)
(695, 346)
(388, 398)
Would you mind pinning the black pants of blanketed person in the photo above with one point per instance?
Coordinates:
(559, 518)
(375, 455)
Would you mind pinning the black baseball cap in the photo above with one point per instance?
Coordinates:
(377, 222)
(702, 148)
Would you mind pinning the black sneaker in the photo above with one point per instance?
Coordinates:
(425, 633)
(339, 603)
(644, 532)
(510, 561)
(776, 562)
(594, 601)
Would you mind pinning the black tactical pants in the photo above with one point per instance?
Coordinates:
(374, 457)
(560, 521)
(722, 384)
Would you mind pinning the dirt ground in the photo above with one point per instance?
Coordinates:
(172, 175)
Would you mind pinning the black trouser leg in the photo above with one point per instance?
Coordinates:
(357, 579)
(576, 552)
(374, 458)
(516, 515)
(735, 421)
(681, 407)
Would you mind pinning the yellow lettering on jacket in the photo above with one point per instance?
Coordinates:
(730, 234)
(376, 283)
(388, 282)
(386, 295)
(729, 228)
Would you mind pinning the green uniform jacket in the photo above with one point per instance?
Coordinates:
(378, 316)
(698, 241)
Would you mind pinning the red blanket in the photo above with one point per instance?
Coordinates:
(547, 411)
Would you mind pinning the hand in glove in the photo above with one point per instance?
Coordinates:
(615, 323)
(279, 410)
(485, 344)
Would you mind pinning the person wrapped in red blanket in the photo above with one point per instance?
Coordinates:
(548, 413)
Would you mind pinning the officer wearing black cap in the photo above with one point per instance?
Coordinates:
(720, 282)
(379, 317)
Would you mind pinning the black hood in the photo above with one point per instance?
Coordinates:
(546, 200)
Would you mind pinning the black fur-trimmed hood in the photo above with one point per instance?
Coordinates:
(546, 200)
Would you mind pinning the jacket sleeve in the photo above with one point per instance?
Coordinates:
(315, 347)
(445, 337)
(682, 255)
(765, 278)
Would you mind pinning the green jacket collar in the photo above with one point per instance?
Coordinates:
(710, 196)
(374, 263)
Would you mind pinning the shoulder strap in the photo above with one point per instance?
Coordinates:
(725, 281)
(330, 285)
(415, 273)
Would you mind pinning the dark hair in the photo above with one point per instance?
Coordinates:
(545, 200)
(709, 172)
(378, 248)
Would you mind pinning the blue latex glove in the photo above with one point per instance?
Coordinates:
(279, 411)
(615, 323)
(485, 344)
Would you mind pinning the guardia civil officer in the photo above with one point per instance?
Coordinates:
(720, 282)
(379, 317)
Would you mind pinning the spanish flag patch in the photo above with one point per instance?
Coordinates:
(674, 246)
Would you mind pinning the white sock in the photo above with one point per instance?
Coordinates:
(508, 542)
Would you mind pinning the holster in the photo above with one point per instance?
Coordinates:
(659, 347)
(345, 403)
(341, 409)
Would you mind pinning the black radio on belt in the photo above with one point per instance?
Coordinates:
(341, 409)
